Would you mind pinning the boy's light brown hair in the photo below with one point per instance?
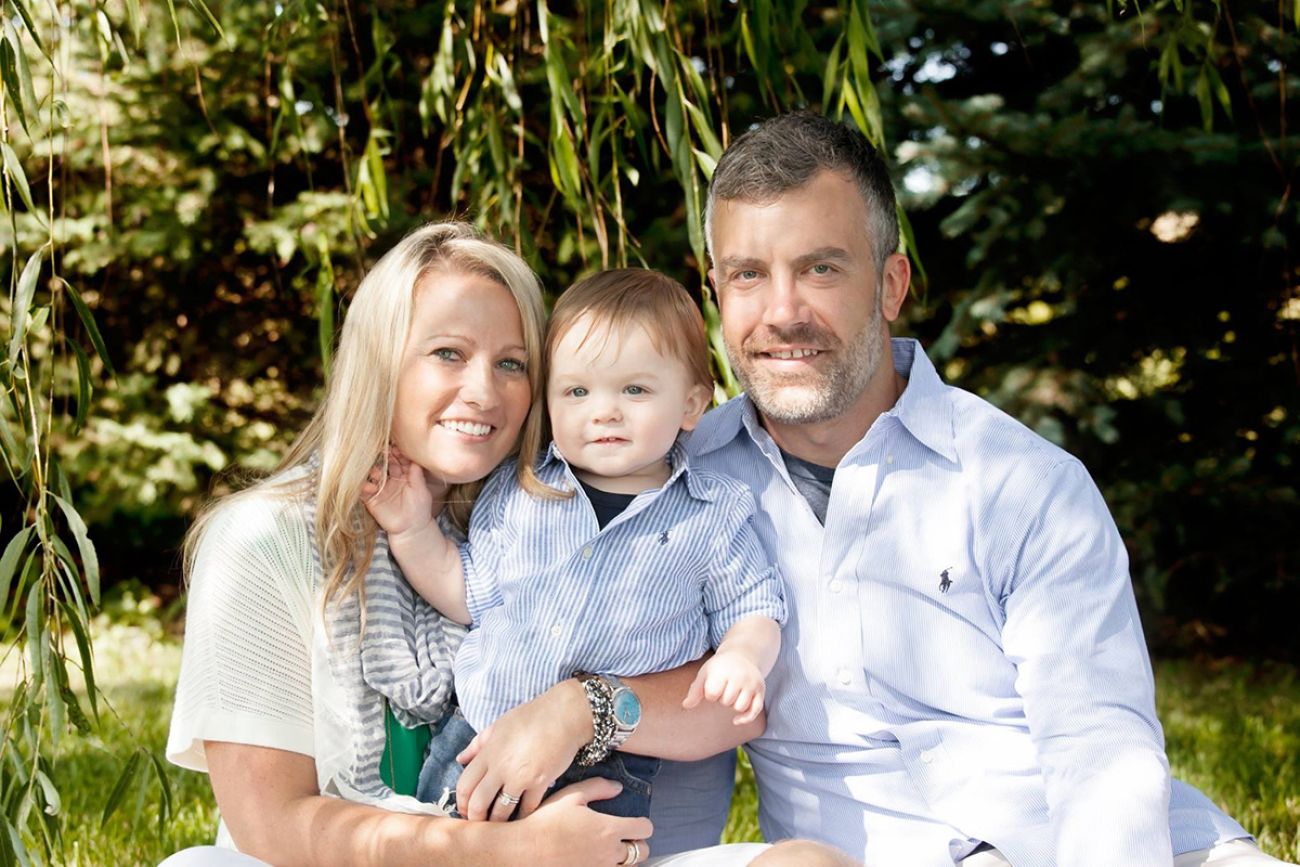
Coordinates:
(614, 301)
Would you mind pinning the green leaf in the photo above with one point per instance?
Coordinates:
(31, 27)
(87, 657)
(120, 787)
(54, 691)
(26, 291)
(9, 560)
(16, 843)
(830, 74)
(83, 386)
(53, 803)
(1203, 97)
(207, 13)
(165, 808)
(24, 71)
(909, 244)
(9, 76)
(89, 560)
(704, 130)
(88, 322)
(36, 630)
(14, 168)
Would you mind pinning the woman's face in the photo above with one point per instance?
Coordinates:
(463, 391)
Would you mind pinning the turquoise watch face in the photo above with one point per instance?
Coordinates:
(627, 708)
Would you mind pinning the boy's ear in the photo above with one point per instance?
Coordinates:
(697, 401)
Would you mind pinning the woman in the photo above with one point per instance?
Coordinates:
(439, 356)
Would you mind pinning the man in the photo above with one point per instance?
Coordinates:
(963, 677)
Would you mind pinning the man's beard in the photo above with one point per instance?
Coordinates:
(816, 395)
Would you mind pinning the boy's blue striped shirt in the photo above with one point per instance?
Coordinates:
(551, 593)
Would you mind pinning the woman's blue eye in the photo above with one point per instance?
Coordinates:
(513, 365)
(634, 390)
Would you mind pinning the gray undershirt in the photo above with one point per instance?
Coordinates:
(813, 481)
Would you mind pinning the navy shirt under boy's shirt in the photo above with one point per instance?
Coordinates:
(607, 506)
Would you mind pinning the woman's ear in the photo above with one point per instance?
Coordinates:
(697, 401)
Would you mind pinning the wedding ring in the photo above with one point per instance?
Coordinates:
(507, 800)
(633, 853)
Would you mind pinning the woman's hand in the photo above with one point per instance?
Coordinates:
(565, 831)
(400, 501)
(523, 753)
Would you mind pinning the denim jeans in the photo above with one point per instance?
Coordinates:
(441, 772)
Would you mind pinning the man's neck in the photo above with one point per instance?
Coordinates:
(826, 443)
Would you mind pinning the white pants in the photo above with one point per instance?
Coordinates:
(1234, 853)
(735, 855)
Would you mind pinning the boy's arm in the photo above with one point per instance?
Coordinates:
(757, 639)
(432, 565)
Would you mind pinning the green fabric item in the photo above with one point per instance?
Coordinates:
(403, 754)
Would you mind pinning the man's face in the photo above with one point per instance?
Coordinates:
(803, 309)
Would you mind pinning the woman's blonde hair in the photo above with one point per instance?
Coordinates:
(350, 430)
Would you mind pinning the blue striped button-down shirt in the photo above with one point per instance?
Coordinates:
(550, 592)
(963, 659)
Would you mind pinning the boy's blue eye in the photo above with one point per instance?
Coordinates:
(577, 391)
(634, 390)
(445, 354)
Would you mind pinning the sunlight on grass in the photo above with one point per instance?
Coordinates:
(1233, 731)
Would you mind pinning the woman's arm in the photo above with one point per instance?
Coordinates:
(528, 748)
(271, 805)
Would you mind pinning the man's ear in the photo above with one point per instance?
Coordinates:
(713, 281)
(898, 279)
(697, 401)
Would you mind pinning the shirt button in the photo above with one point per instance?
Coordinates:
(927, 757)
(586, 553)
(889, 459)
(836, 586)
(845, 676)
(556, 630)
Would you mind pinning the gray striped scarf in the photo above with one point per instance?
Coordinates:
(404, 660)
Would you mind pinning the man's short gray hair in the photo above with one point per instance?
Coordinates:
(785, 152)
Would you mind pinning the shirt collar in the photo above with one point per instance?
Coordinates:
(677, 460)
(924, 409)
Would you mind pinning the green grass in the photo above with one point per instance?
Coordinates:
(1233, 731)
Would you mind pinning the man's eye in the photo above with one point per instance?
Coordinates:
(821, 268)
(747, 274)
(634, 390)
(513, 365)
(577, 391)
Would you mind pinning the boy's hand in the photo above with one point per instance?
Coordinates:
(400, 502)
(732, 679)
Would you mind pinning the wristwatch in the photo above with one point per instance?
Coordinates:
(615, 714)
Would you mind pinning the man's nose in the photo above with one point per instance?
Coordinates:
(785, 302)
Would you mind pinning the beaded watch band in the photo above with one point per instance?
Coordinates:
(601, 698)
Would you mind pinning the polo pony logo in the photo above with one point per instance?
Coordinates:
(663, 538)
(945, 580)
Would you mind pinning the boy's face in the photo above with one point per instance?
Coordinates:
(617, 404)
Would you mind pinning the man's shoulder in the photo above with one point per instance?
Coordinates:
(719, 427)
(987, 436)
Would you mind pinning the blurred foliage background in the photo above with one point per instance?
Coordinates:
(1099, 195)
(1101, 200)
